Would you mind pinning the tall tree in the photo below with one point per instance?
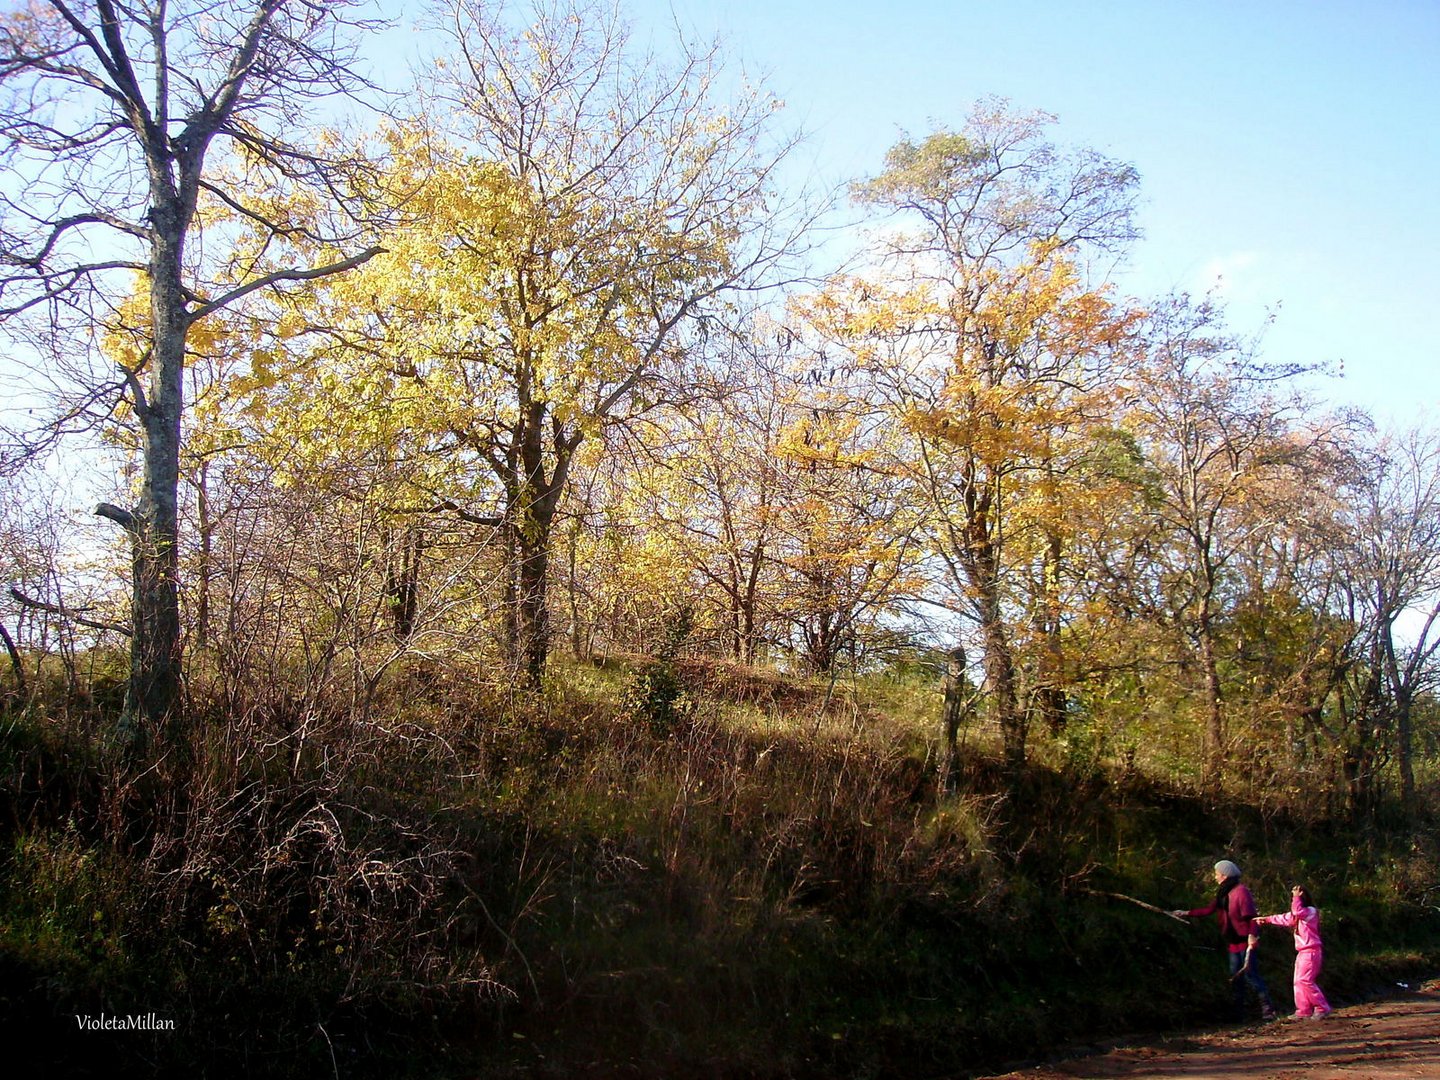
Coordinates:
(588, 209)
(121, 117)
(1223, 433)
(1393, 566)
(712, 484)
(984, 325)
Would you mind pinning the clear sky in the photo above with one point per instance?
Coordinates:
(1290, 148)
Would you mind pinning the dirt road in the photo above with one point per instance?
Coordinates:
(1394, 1039)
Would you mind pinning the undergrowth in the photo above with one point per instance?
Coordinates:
(763, 883)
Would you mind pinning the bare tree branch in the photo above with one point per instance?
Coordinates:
(122, 517)
(278, 276)
(64, 612)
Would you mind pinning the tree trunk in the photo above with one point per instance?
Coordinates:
(530, 504)
(1402, 692)
(155, 647)
(1214, 719)
(822, 641)
(402, 582)
(580, 640)
(735, 609)
(510, 605)
(952, 715)
(1358, 755)
(742, 590)
(1404, 748)
(1000, 689)
(751, 620)
(1050, 698)
(203, 571)
(737, 632)
(15, 662)
(531, 609)
(982, 568)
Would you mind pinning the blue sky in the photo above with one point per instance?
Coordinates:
(1290, 149)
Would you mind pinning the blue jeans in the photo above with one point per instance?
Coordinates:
(1237, 960)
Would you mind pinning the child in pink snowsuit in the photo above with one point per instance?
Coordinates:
(1304, 920)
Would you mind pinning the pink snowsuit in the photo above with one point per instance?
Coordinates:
(1309, 955)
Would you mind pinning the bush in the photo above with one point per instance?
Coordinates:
(656, 693)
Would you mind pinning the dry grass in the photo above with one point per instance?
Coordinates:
(769, 884)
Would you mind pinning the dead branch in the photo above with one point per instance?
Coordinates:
(66, 613)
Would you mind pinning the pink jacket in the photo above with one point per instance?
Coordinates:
(1304, 921)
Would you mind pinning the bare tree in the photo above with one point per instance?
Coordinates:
(1224, 435)
(121, 120)
(1393, 564)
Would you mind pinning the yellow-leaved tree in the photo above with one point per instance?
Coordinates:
(570, 212)
(779, 494)
(981, 334)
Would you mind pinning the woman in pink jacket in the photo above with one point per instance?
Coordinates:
(1304, 920)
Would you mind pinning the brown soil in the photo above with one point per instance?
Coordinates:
(1394, 1039)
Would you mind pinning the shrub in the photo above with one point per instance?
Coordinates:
(656, 693)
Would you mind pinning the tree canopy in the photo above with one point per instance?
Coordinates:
(546, 350)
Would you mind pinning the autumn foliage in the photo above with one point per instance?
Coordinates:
(529, 504)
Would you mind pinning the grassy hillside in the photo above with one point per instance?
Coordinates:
(695, 871)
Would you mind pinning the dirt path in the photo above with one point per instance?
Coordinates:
(1394, 1039)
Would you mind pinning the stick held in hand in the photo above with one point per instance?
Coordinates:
(1137, 903)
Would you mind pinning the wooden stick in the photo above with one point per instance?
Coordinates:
(1137, 903)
